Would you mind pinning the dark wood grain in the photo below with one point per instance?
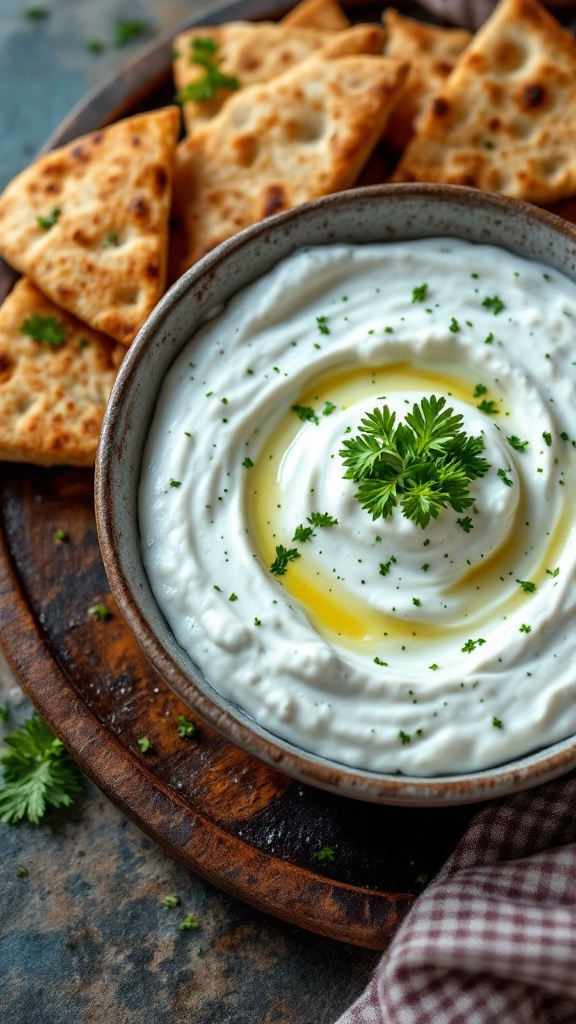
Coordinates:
(248, 829)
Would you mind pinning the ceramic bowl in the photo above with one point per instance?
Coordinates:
(379, 213)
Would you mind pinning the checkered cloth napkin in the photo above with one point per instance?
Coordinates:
(493, 939)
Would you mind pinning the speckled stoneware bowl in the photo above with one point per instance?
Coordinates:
(381, 213)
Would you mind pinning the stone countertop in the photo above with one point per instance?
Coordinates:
(84, 938)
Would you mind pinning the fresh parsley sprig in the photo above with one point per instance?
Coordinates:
(424, 464)
(38, 773)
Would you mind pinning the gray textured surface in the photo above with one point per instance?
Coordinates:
(84, 938)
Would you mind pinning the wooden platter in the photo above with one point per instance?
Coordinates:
(242, 826)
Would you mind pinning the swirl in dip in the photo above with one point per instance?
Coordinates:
(383, 646)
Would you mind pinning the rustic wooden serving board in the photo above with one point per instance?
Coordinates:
(244, 827)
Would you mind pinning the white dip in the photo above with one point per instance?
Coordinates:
(384, 646)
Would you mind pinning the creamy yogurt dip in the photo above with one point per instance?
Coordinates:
(382, 646)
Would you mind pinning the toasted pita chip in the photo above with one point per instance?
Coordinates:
(323, 14)
(505, 120)
(88, 223)
(53, 392)
(364, 38)
(432, 52)
(245, 53)
(302, 135)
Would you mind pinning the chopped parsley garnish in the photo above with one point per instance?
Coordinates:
(99, 611)
(497, 723)
(424, 464)
(495, 304)
(322, 325)
(479, 390)
(22, 872)
(48, 222)
(189, 923)
(527, 586)
(303, 533)
(185, 727)
(454, 325)
(233, 597)
(403, 737)
(378, 661)
(326, 853)
(247, 463)
(322, 519)
(145, 744)
(304, 412)
(46, 330)
(111, 241)
(489, 407)
(419, 293)
(283, 557)
(471, 645)
(547, 437)
(489, 339)
(434, 667)
(553, 572)
(202, 52)
(506, 479)
(175, 483)
(525, 628)
(60, 536)
(95, 46)
(328, 409)
(416, 601)
(516, 443)
(38, 773)
(385, 566)
(128, 29)
(465, 524)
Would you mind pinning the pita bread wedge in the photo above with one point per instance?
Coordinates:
(364, 38)
(323, 14)
(302, 135)
(88, 223)
(53, 392)
(505, 120)
(244, 53)
(432, 52)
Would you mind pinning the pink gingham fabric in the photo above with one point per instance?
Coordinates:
(493, 939)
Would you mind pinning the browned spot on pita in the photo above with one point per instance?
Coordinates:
(274, 200)
(440, 107)
(5, 367)
(533, 95)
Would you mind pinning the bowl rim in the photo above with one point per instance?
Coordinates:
(522, 773)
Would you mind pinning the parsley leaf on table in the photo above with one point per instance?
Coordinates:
(38, 773)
